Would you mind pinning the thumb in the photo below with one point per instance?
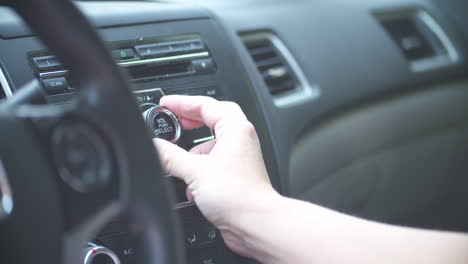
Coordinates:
(175, 160)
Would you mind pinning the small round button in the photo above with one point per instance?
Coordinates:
(163, 123)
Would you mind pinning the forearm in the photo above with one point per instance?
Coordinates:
(291, 231)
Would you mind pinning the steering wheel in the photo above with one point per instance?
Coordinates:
(68, 172)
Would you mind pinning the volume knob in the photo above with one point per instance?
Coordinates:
(163, 123)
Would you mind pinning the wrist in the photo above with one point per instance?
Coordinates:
(249, 232)
(276, 229)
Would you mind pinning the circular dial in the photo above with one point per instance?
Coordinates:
(163, 123)
(81, 156)
(95, 254)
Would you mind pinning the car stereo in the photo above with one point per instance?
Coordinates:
(155, 67)
(143, 60)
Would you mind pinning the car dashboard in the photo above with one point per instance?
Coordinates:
(359, 106)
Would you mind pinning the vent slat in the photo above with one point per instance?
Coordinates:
(276, 73)
(268, 63)
(256, 43)
(264, 56)
(271, 65)
(283, 81)
(263, 53)
(262, 50)
(283, 87)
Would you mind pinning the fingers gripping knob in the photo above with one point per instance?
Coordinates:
(163, 123)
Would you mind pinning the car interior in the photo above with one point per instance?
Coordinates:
(360, 106)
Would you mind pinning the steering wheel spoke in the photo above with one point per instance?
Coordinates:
(30, 93)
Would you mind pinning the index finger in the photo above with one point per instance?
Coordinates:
(203, 109)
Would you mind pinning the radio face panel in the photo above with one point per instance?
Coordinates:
(150, 64)
(143, 60)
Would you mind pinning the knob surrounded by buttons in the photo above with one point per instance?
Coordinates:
(163, 123)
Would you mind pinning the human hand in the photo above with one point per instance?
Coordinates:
(226, 177)
(228, 181)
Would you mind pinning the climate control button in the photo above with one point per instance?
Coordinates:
(163, 123)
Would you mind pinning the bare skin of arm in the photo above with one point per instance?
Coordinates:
(228, 181)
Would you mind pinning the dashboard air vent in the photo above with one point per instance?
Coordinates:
(420, 38)
(410, 36)
(271, 64)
